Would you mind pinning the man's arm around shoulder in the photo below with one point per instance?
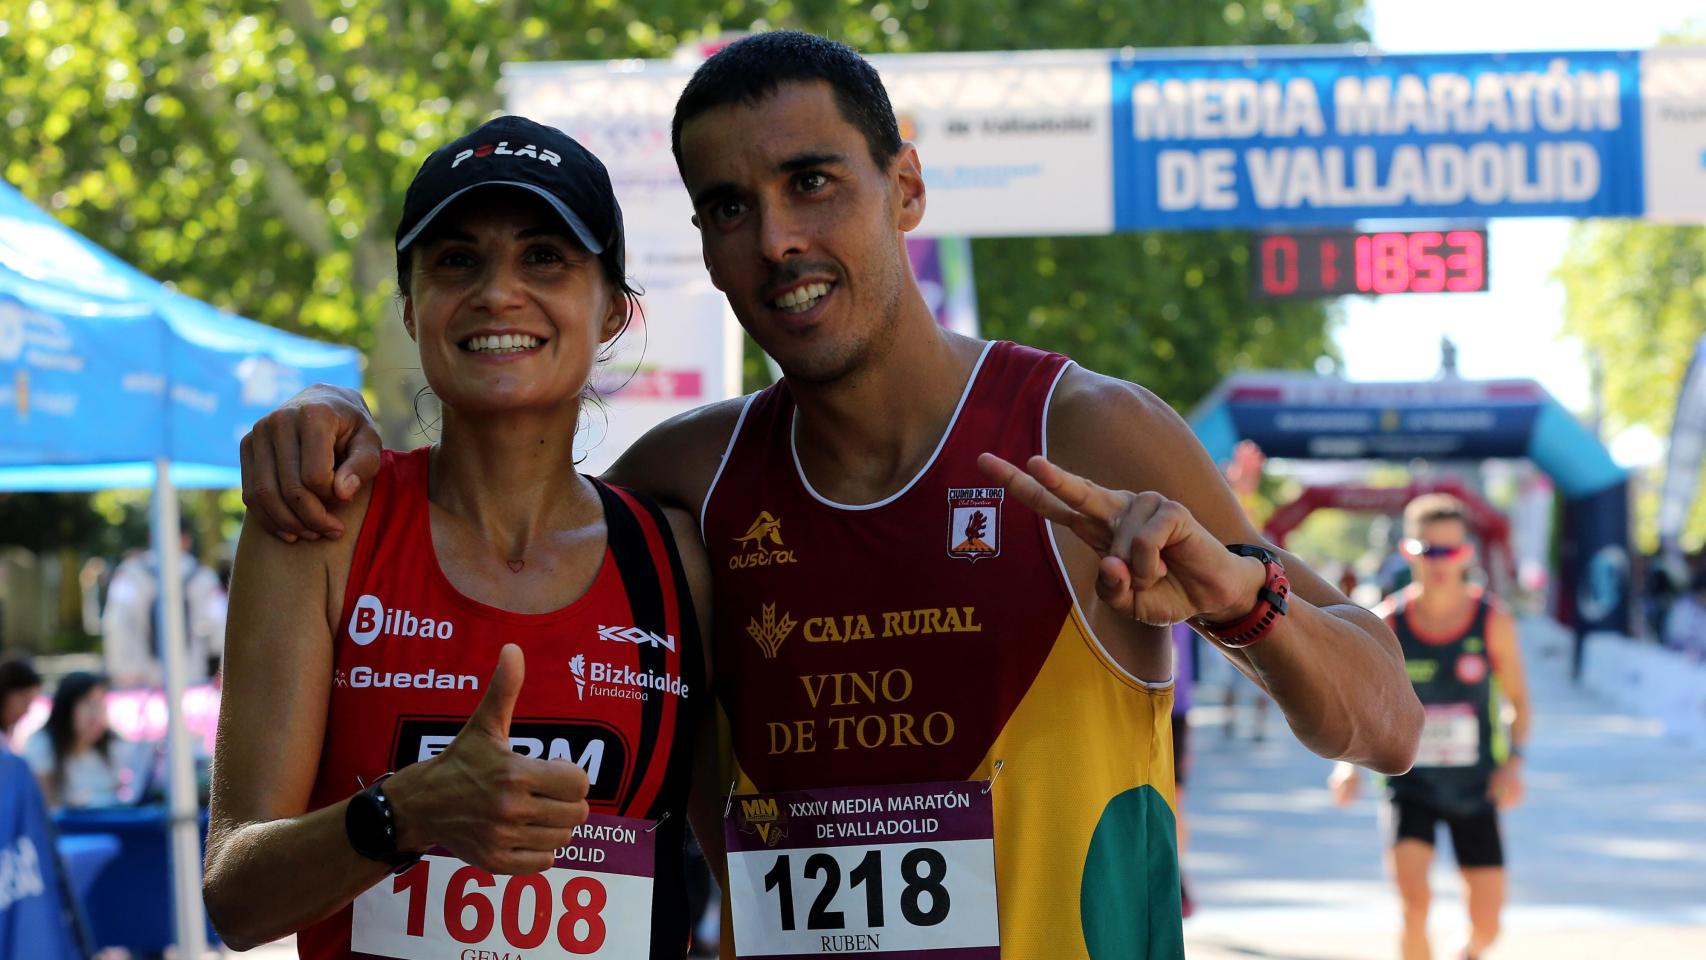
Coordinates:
(675, 461)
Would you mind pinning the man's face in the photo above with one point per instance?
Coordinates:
(1440, 553)
(800, 227)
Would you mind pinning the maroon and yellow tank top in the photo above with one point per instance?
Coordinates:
(931, 637)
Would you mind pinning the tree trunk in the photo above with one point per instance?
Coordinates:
(70, 603)
(394, 369)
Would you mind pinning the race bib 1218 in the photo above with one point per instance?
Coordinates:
(595, 902)
(872, 870)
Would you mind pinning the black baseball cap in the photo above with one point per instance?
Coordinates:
(517, 152)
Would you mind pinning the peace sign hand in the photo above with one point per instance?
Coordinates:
(1159, 565)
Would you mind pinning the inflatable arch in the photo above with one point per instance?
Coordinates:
(1303, 416)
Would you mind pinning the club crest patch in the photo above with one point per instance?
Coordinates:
(974, 522)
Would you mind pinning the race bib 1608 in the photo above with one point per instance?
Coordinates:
(872, 870)
(595, 902)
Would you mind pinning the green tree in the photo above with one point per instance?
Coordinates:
(256, 154)
(1635, 293)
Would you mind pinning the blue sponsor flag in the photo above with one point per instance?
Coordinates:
(1687, 450)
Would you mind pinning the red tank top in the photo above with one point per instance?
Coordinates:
(858, 623)
(615, 680)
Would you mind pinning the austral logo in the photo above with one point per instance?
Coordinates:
(370, 620)
(974, 522)
(761, 545)
(594, 747)
(501, 149)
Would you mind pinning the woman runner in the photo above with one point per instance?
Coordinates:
(501, 674)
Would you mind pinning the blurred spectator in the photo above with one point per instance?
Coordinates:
(1685, 625)
(1657, 595)
(1394, 573)
(129, 623)
(19, 685)
(1347, 581)
(72, 755)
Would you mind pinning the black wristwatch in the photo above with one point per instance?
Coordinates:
(372, 829)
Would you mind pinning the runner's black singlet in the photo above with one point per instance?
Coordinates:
(1462, 739)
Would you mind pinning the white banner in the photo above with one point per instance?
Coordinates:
(686, 349)
(1045, 143)
(1673, 118)
(1012, 144)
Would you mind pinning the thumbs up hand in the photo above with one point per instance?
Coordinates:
(483, 802)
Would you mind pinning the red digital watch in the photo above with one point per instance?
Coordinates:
(1270, 603)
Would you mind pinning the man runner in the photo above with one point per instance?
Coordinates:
(898, 603)
(1461, 651)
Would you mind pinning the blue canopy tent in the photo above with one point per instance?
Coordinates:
(110, 379)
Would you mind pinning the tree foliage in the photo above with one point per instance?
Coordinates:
(255, 155)
(1635, 293)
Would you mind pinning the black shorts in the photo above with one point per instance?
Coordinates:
(1181, 744)
(1475, 838)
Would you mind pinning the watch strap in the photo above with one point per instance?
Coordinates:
(375, 836)
(1271, 599)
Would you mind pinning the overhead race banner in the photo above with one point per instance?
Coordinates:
(1043, 143)
(1245, 139)
(1314, 417)
(1050, 143)
(1336, 139)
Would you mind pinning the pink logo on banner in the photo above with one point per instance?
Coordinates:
(662, 385)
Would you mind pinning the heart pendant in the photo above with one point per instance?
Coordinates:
(515, 565)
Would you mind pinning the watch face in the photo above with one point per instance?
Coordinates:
(368, 827)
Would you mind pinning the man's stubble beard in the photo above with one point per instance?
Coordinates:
(848, 360)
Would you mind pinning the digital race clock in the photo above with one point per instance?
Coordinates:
(1330, 264)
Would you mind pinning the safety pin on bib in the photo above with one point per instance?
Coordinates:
(994, 772)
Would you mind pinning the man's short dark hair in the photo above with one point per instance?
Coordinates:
(752, 68)
(1433, 508)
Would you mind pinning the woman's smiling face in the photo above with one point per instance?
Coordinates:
(507, 308)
